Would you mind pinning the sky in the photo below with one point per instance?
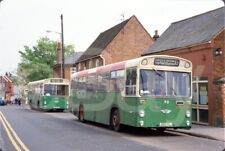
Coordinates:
(23, 22)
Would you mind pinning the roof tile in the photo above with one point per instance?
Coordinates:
(191, 31)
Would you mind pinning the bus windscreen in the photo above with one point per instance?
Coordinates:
(165, 83)
(50, 89)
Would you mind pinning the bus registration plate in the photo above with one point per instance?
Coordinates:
(166, 124)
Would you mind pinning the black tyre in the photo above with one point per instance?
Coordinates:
(38, 105)
(81, 114)
(160, 130)
(115, 120)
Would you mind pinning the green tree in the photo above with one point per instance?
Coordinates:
(37, 62)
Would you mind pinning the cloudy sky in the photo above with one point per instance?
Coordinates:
(23, 22)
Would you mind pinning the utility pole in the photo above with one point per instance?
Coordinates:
(62, 40)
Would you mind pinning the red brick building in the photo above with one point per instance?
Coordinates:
(200, 39)
(6, 88)
(124, 41)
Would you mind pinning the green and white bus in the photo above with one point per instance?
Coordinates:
(49, 94)
(150, 92)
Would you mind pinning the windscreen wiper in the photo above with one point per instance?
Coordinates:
(158, 73)
(174, 91)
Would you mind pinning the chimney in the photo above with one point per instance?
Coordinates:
(59, 53)
(156, 36)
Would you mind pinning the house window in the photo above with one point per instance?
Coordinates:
(72, 70)
(84, 66)
(79, 66)
(97, 63)
(200, 100)
(90, 64)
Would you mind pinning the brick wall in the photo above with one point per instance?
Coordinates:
(219, 62)
(222, 103)
(130, 43)
(67, 71)
(219, 72)
(218, 113)
(57, 71)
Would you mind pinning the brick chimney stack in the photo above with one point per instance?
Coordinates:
(59, 53)
(156, 36)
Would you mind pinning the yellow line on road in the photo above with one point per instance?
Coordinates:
(6, 123)
(10, 136)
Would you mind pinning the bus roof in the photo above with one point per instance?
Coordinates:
(122, 65)
(50, 80)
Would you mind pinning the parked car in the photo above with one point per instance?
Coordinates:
(2, 101)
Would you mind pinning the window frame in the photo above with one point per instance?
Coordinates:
(135, 87)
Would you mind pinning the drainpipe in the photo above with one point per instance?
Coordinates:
(102, 59)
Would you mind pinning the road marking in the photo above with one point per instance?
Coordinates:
(8, 128)
(9, 135)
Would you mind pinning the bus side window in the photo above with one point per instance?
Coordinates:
(117, 81)
(103, 82)
(131, 76)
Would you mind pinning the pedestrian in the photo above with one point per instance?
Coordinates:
(16, 100)
(19, 101)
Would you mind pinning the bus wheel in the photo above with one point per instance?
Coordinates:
(81, 114)
(38, 104)
(160, 130)
(30, 103)
(115, 120)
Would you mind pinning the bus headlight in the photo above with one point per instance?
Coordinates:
(45, 102)
(141, 123)
(188, 113)
(144, 62)
(142, 102)
(187, 65)
(188, 123)
(141, 113)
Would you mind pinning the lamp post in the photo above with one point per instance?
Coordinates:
(62, 40)
(62, 47)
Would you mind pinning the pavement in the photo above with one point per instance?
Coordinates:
(215, 133)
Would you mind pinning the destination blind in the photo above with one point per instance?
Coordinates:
(166, 62)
